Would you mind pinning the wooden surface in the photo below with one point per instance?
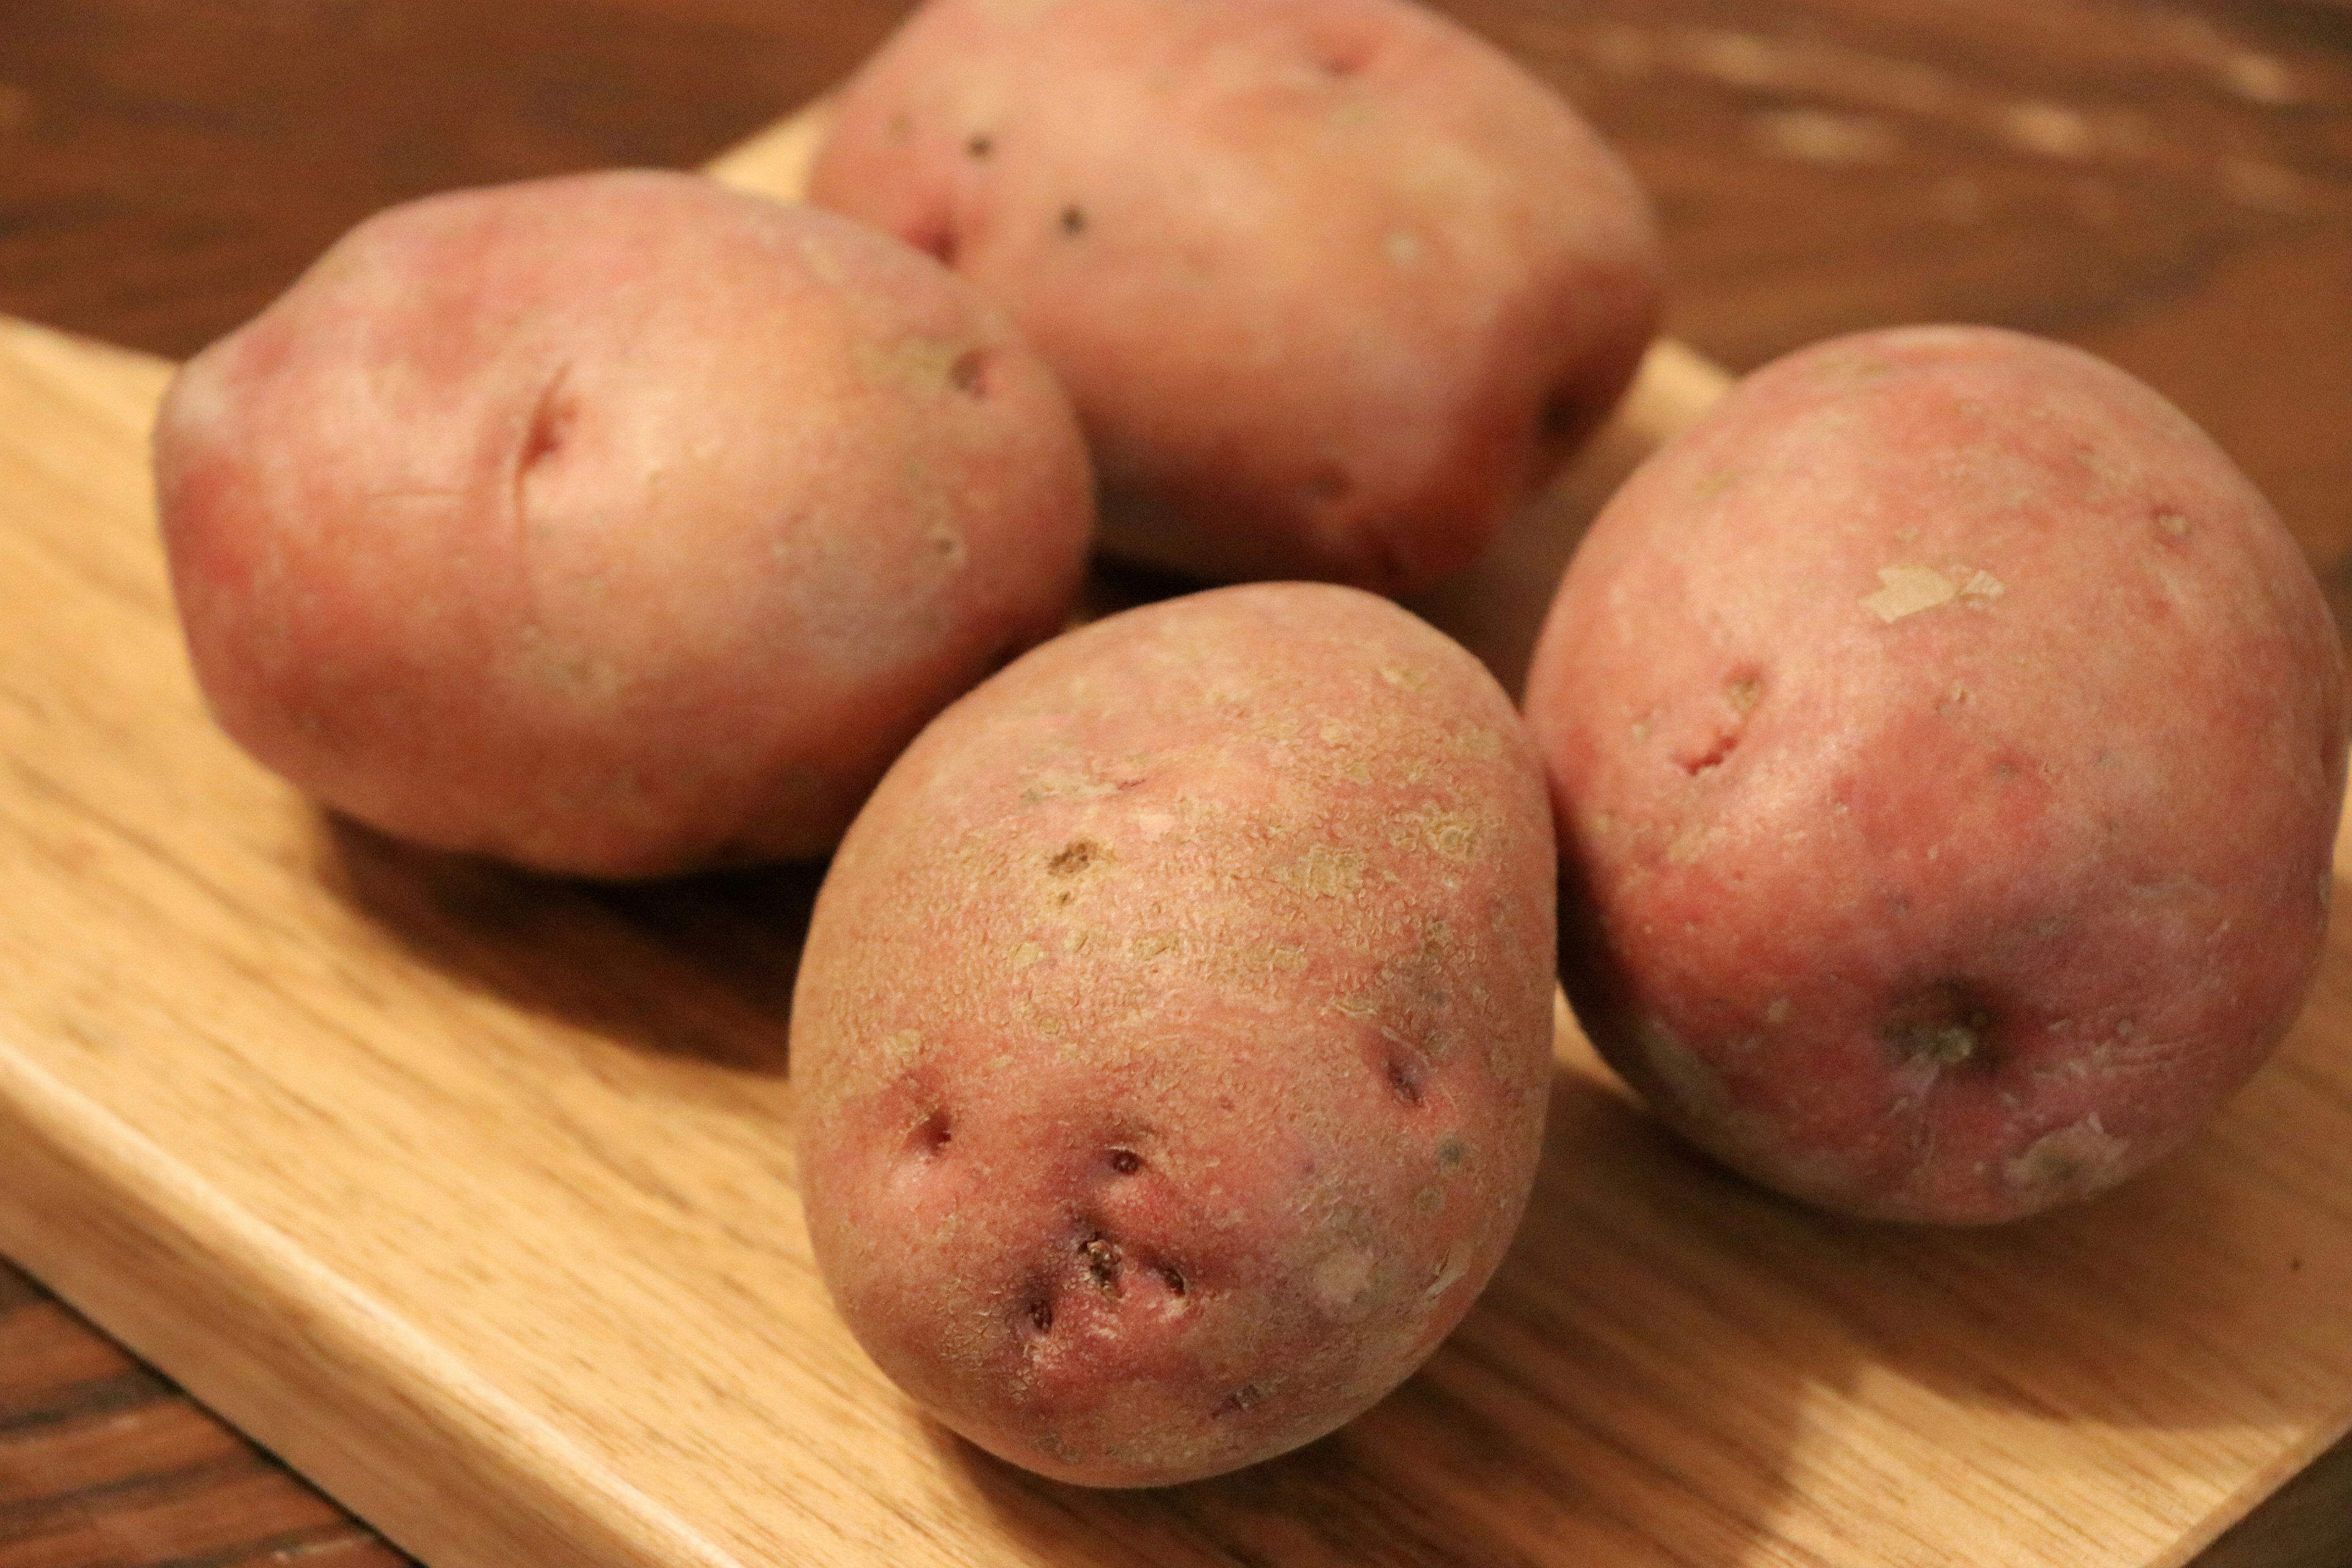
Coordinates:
(2167, 185)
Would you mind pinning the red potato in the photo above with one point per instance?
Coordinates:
(1947, 745)
(617, 524)
(1172, 1039)
(1332, 282)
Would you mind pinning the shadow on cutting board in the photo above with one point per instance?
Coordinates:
(1563, 1423)
(1669, 1356)
(1668, 1365)
(695, 967)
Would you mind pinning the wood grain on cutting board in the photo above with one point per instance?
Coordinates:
(472, 1196)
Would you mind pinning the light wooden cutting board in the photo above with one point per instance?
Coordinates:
(471, 1196)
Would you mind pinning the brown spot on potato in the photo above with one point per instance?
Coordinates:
(937, 241)
(1102, 1257)
(969, 374)
(1404, 1082)
(552, 421)
(1074, 220)
(1126, 1162)
(1041, 1316)
(1173, 1277)
(980, 146)
(932, 1135)
(1709, 756)
(1076, 857)
(946, 545)
(1246, 1397)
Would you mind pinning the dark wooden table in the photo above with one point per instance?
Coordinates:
(2166, 184)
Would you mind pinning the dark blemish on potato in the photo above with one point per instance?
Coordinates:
(551, 419)
(1126, 1162)
(1404, 1082)
(939, 243)
(980, 146)
(1947, 1024)
(1041, 1316)
(1709, 756)
(969, 374)
(1074, 220)
(1102, 1259)
(899, 126)
(1741, 690)
(1173, 1277)
(1451, 1154)
(1239, 1400)
(1076, 857)
(932, 1135)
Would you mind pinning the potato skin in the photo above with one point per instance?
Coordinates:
(1332, 282)
(1947, 745)
(1173, 1040)
(614, 524)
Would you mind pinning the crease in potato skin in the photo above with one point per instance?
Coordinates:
(2012, 863)
(613, 525)
(1163, 962)
(1333, 282)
